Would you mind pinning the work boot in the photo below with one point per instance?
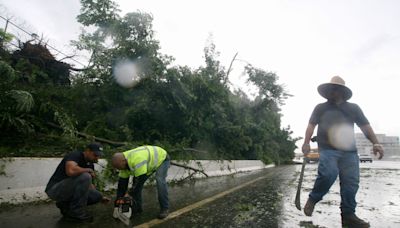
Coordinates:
(79, 216)
(352, 221)
(309, 207)
(63, 206)
(163, 213)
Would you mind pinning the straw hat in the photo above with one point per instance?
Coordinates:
(336, 83)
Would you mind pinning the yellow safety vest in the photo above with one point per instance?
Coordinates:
(143, 160)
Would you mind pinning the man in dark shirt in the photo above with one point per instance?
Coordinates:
(338, 153)
(71, 184)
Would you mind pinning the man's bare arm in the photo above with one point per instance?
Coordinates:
(370, 134)
(73, 169)
(309, 132)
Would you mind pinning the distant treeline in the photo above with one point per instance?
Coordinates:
(44, 103)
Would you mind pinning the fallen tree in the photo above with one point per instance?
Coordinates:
(115, 143)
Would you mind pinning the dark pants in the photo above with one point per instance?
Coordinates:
(75, 192)
(162, 188)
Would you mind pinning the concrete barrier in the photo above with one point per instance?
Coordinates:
(24, 179)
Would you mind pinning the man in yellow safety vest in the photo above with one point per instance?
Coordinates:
(141, 163)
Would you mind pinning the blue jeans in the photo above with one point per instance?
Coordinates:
(331, 164)
(162, 187)
(75, 192)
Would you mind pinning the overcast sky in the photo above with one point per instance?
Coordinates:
(305, 42)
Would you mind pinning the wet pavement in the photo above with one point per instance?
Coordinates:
(378, 198)
(266, 199)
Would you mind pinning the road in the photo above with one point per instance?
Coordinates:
(257, 199)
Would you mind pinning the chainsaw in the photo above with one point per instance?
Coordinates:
(123, 210)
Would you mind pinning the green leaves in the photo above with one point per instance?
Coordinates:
(23, 100)
(266, 82)
(7, 73)
(5, 37)
(15, 104)
(174, 107)
(98, 12)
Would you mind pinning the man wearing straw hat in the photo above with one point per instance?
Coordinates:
(338, 153)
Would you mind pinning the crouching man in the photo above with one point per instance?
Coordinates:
(71, 184)
(141, 163)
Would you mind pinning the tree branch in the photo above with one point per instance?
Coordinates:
(124, 143)
(76, 69)
(188, 167)
(67, 57)
(103, 140)
(188, 149)
(230, 65)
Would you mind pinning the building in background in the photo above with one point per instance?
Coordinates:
(391, 146)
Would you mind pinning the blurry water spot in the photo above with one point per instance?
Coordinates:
(341, 137)
(126, 73)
